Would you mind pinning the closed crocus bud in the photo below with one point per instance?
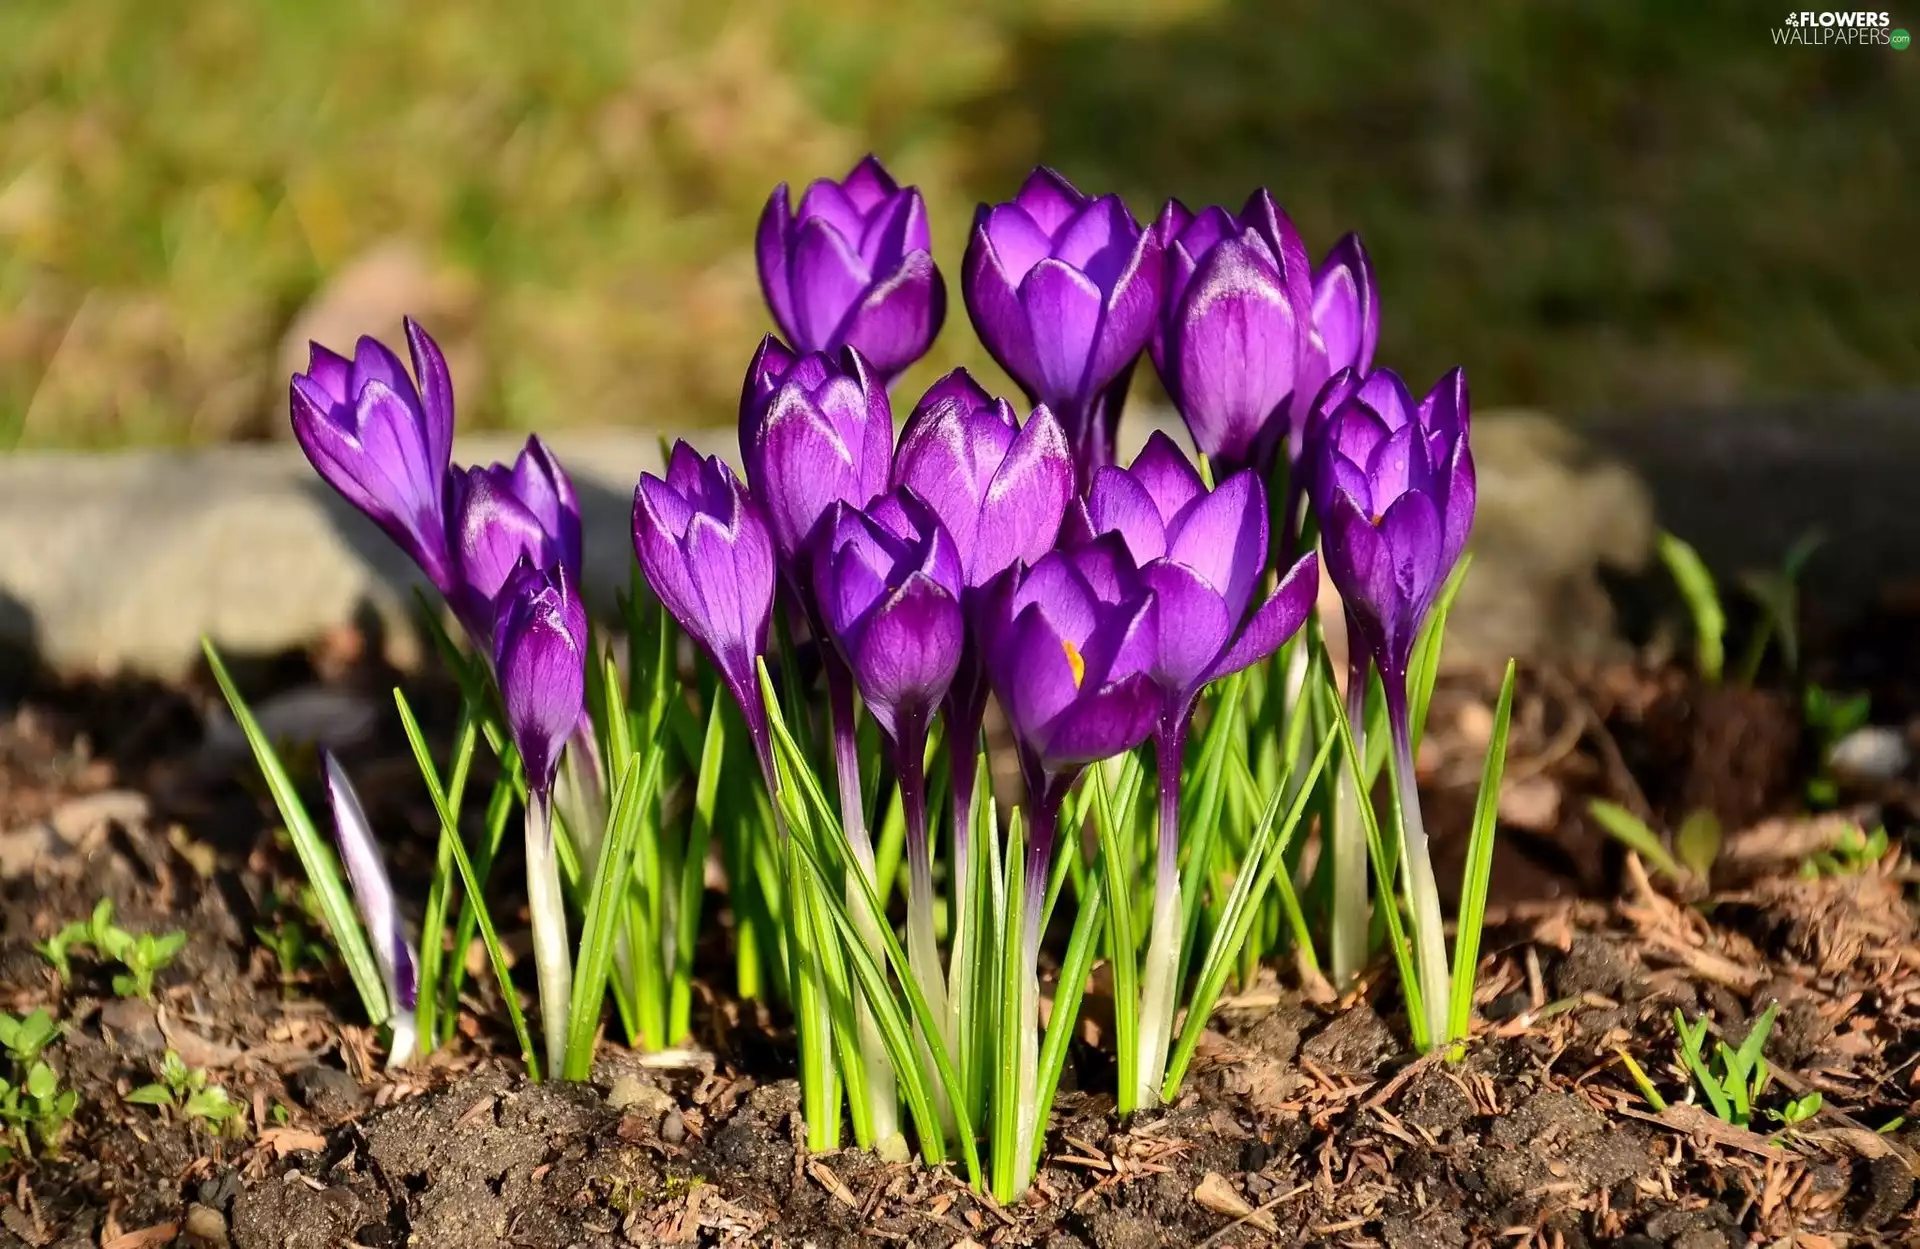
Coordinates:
(1001, 488)
(1232, 341)
(384, 443)
(814, 431)
(539, 652)
(706, 550)
(1064, 291)
(501, 515)
(888, 583)
(853, 267)
(1392, 482)
(1202, 553)
(1070, 650)
(379, 909)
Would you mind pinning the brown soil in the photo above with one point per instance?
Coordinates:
(1301, 1123)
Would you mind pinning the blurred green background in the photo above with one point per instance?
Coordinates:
(1591, 205)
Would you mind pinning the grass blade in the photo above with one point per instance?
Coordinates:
(606, 898)
(1632, 832)
(316, 858)
(1473, 900)
(470, 883)
(693, 873)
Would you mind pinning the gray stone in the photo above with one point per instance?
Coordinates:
(1871, 755)
(121, 561)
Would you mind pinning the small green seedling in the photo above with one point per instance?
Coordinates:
(25, 1038)
(1731, 1079)
(1800, 1109)
(144, 956)
(1853, 853)
(1829, 717)
(293, 948)
(185, 1091)
(1703, 604)
(81, 934)
(1695, 845)
(35, 1109)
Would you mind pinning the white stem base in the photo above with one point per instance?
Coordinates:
(552, 952)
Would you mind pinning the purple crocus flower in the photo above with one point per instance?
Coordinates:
(1393, 485)
(539, 660)
(1201, 554)
(382, 442)
(814, 430)
(1070, 648)
(888, 582)
(1001, 489)
(708, 553)
(853, 268)
(1064, 290)
(540, 655)
(379, 909)
(1232, 341)
(501, 515)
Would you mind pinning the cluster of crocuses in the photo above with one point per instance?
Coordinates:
(977, 554)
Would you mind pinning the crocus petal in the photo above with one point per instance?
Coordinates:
(1036, 677)
(1063, 308)
(1103, 724)
(1462, 491)
(1236, 352)
(1119, 503)
(772, 242)
(1049, 199)
(1193, 627)
(1346, 308)
(900, 316)
(493, 532)
(539, 657)
(1020, 513)
(1133, 307)
(868, 184)
(1223, 538)
(909, 651)
(543, 485)
(436, 393)
(825, 201)
(1274, 621)
(994, 307)
(828, 280)
(1169, 477)
(1411, 527)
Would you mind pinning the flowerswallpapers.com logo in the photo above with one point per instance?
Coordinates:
(1858, 29)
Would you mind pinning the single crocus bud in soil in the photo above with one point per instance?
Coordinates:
(853, 267)
(379, 909)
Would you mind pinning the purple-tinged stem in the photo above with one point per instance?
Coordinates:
(882, 1096)
(1157, 992)
(965, 708)
(923, 953)
(1046, 792)
(1429, 934)
(1347, 952)
(546, 906)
